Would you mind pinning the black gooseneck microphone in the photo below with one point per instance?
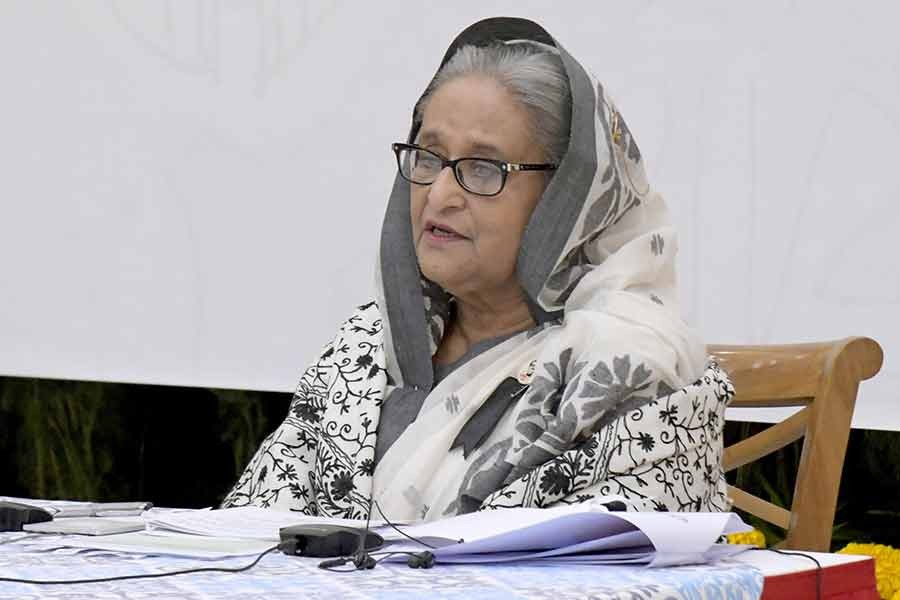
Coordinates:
(416, 560)
(361, 559)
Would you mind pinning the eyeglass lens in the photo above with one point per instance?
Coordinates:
(477, 176)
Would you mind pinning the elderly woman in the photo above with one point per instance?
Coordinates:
(525, 348)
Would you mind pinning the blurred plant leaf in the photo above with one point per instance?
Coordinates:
(243, 424)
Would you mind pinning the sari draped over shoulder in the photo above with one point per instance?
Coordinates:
(610, 397)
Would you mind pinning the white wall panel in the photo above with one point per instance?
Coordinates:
(176, 206)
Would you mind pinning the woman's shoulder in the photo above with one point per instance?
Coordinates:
(360, 332)
(365, 319)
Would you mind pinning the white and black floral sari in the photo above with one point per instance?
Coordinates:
(609, 396)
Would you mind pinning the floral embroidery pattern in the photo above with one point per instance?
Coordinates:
(658, 448)
(663, 456)
(320, 461)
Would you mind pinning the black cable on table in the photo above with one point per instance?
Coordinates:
(143, 575)
(804, 555)
(365, 560)
(401, 532)
(421, 560)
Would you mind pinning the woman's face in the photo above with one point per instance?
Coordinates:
(473, 116)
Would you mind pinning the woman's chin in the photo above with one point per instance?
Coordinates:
(445, 275)
(439, 277)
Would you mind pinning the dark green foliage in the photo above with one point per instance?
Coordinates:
(54, 429)
(106, 441)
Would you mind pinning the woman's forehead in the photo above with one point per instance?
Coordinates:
(474, 114)
(470, 141)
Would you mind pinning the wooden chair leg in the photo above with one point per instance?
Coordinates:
(824, 449)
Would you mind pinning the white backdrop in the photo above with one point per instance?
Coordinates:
(175, 205)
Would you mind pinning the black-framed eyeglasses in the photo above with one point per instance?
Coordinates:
(480, 176)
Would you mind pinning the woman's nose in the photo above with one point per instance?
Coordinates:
(446, 192)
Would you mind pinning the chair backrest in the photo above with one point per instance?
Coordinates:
(823, 378)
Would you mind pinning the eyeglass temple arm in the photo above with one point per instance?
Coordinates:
(530, 167)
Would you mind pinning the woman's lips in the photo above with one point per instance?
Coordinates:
(441, 233)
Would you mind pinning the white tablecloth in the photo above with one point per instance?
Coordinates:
(279, 576)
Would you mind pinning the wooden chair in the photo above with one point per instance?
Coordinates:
(823, 378)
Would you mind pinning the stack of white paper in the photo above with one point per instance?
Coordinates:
(579, 533)
(168, 544)
(246, 522)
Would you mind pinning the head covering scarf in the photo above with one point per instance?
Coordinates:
(610, 395)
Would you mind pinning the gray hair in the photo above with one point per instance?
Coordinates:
(532, 73)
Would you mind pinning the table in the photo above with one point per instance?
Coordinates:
(278, 576)
(844, 576)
